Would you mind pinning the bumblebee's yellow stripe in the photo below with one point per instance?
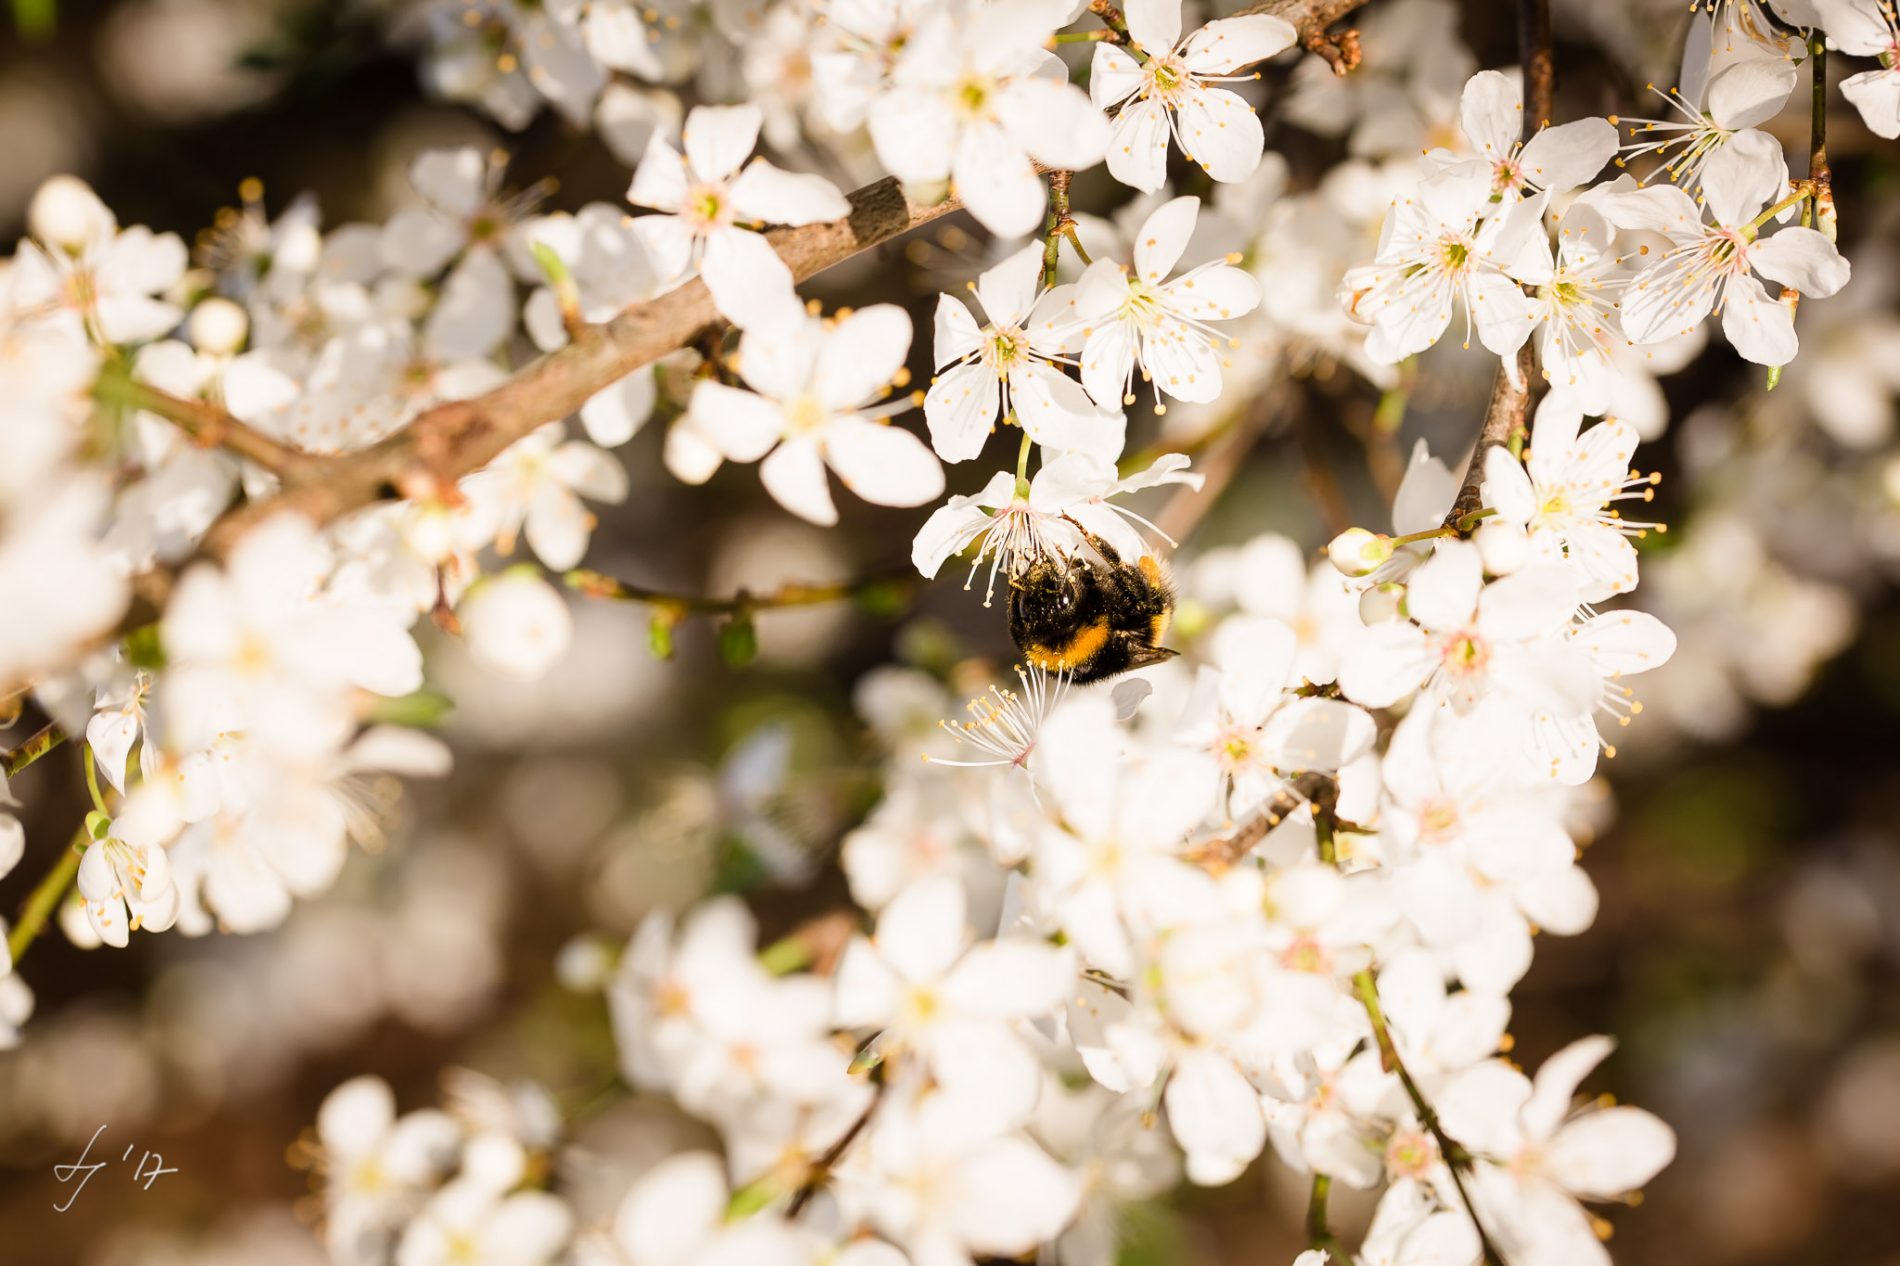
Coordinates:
(1078, 650)
(1150, 567)
(1159, 626)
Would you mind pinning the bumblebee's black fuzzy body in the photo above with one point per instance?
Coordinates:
(1091, 617)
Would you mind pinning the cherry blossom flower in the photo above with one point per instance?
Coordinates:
(1555, 160)
(88, 272)
(715, 201)
(929, 994)
(1537, 1161)
(517, 624)
(377, 1165)
(811, 406)
(1011, 524)
(1447, 243)
(1712, 266)
(1140, 318)
(973, 100)
(1166, 93)
(1723, 91)
(1012, 365)
(536, 484)
(1565, 494)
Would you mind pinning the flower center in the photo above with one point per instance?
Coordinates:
(706, 208)
(1168, 79)
(1466, 654)
(805, 415)
(1007, 346)
(972, 96)
(1143, 304)
(1455, 252)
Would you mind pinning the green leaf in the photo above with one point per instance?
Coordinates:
(738, 640)
(425, 709)
(35, 19)
(144, 649)
(660, 635)
(98, 825)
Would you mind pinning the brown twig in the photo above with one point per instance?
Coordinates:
(1319, 790)
(207, 424)
(1310, 18)
(1511, 401)
(1504, 416)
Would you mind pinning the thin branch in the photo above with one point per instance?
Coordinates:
(45, 898)
(35, 747)
(1511, 401)
(1316, 789)
(208, 425)
(820, 1172)
(1503, 417)
(791, 593)
(455, 438)
(1319, 1235)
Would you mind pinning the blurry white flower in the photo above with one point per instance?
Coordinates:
(516, 623)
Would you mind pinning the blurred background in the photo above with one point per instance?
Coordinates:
(1748, 949)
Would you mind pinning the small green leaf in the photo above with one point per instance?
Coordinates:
(425, 709)
(144, 649)
(660, 635)
(1774, 377)
(885, 599)
(98, 825)
(738, 640)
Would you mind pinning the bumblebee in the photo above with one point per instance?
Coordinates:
(1092, 618)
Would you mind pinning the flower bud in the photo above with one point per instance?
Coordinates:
(1355, 552)
(67, 214)
(1504, 546)
(218, 326)
(1380, 603)
(517, 625)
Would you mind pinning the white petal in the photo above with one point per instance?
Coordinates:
(613, 415)
(1113, 76)
(1491, 110)
(1231, 43)
(750, 284)
(1056, 412)
(921, 932)
(740, 425)
(955, 331)
(1801, 258)
(774, 196)
(1215, 1116)
(1163, 236)
(1154, 24)
(1876, 94)
(1758, 327)
(660, 181)
(1569, 154)
(1138, 144)
(862, 354)
(1221, 132)
(1009, 288)
(1608, 1153)
(718, 138)
(795, 476)
(885, 465)
(1054, 123)
(961, 410)
(994, 178)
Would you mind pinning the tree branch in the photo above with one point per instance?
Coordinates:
(1310, 18)
(1511, 402)
(35, 747)
(45, 897)
(208, 425)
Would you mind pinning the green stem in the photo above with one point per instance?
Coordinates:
(1457, 1159)
(1754, 226)
(92, 783)
(1022, 465)
(34, 748)
(45, 898)
(1082, 37)
(790, 594)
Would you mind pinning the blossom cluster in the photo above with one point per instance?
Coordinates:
(1271, 896)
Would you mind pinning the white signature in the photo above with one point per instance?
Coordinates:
(151, 1167)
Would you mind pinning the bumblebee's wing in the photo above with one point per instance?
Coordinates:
(1149, 656)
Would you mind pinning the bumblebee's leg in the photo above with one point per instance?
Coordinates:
(1108, 552)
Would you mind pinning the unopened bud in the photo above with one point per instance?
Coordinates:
(1504, 547)
(218, 326)
(67, 214)
(1355, 552)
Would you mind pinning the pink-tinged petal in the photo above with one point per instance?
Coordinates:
(794, 474)
(1221, 132)
(1228, 44)
(885, 465)
(718, 139)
